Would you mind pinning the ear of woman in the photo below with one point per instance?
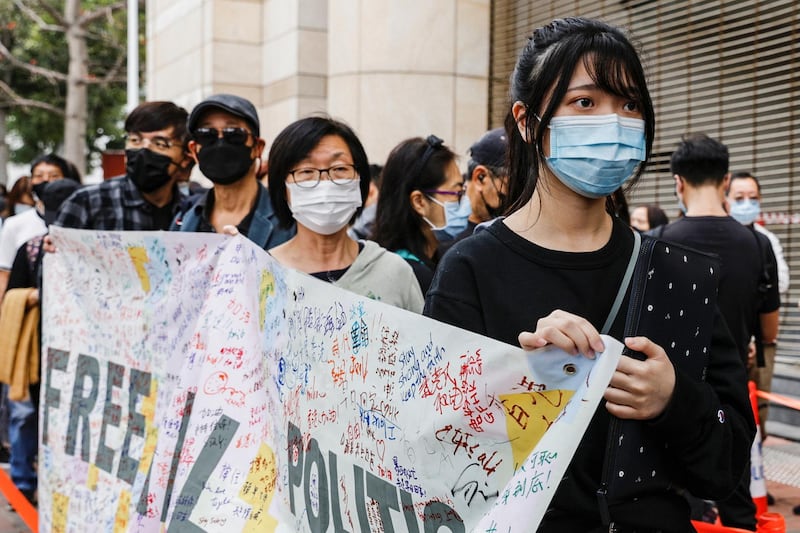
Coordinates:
(418, 203)
(520, 117)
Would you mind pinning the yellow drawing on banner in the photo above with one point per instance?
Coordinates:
(123, 512)
(151, 430)
(91, 480)
(529, 415)
(60, 510)
(258, 489)
(266, 288)
(139, 257)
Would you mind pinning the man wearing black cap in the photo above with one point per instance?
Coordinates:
(224, 130)
(146, 197)
(486, 179)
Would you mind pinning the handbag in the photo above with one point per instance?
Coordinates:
(673, 294)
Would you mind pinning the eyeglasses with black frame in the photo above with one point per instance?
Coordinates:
(236, 136)
(308, 177)
(137, 140)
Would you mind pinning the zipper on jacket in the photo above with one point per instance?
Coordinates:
(614, 425)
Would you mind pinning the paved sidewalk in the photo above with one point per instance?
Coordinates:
(782, 470)
(9, 521)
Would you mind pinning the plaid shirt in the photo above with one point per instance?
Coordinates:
(115, 205)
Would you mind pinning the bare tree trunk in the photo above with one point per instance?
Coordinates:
(77, 91)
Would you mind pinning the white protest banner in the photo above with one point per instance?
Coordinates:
(190, 383)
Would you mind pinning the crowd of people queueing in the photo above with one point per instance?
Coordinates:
(533, 220)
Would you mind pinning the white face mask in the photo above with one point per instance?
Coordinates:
(326, 208)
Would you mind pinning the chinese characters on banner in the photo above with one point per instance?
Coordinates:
(190, 383)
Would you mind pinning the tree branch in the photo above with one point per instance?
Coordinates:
(18, 101)
(104, 11)
(50, 75)
(39, 20)
(105, 38)
(111, 74)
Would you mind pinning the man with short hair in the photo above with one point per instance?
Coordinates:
(486, 179)
(747, 301)
(19, 228)
(226, 144)
(147, 196)
(486, 182)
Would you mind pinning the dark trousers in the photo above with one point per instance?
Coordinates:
(739, 510)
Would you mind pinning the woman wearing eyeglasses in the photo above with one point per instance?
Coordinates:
(319, 178)
(421, 203)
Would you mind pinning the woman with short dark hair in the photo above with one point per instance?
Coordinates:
(319, 178)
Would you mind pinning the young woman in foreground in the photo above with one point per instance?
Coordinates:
(581, 125)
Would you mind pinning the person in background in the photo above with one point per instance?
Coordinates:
(365, 221)
(18, 229)
(189, 189)
(744, 205)
(146, 198)
(421, 204)
(3, 198)
(18, 199)
(319, 177)
(26, 272)
(748, 298)
(226, 144)
(486, 180)
(21, 228)
(647, 217)
(581, 125)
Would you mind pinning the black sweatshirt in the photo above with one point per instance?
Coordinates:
(499, 284)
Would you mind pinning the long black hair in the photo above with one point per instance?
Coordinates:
(546, 64)
(294, 143)
(415, 164)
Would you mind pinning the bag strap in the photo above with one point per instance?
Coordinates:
(623, 286)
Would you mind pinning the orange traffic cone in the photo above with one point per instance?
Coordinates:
(771, 523)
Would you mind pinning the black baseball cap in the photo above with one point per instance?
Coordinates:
(231, 103)
(491, 148)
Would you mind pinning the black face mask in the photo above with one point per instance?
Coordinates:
(146, 169)
(39, 188)
(224, 163)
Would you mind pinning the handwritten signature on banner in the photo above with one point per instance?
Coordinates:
(191, 383)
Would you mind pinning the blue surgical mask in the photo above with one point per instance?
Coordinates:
(21, 208)
(595, 154)
(682, 206)
(455, 218)
(746, 210)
